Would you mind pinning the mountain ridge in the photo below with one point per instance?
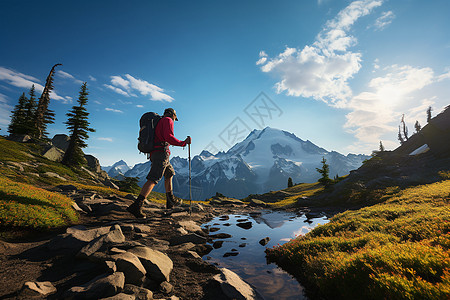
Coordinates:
(263, 161)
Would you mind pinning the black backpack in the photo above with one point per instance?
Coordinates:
(146, 139)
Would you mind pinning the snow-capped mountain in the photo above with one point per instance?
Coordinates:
(263, 161)
(117, 170)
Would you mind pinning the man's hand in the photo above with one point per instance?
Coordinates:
(188, 140)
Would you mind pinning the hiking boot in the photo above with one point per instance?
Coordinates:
(136, 208)
(172, 201)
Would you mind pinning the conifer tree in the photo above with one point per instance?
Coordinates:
(78, 126)
(290, 183)
(325, 172)
(30, 113)
(429, 110)
(381, 147)
(417, 126)
(404, 127)
(399, 136)
(18, 117)
(44, 115)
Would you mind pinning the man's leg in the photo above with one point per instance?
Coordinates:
(147, 188)
(168, 184)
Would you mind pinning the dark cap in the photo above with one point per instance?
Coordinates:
(171, 112)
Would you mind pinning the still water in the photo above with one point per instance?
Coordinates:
(250, 262)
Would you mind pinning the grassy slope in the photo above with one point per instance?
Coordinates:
(23, 204)
(396, 249)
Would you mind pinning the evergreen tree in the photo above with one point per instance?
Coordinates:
(290, 183)
(18, 117)
(381, 147)
(44, 115)
(404, 127)
(429, 110)
(417, 126)
(78, 126)
(325, 172)
(399, 136)
(30, 113)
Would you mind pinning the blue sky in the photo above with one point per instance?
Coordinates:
(339, 73)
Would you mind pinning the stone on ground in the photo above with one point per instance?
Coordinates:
(37, 288)
(131, 266)
(99, 287)
(139, 293)
(157, 264)
(234, 287)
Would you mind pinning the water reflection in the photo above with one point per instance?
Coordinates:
(245, 256)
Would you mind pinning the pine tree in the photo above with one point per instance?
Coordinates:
(18, 117)
(290, 183)
(381, 147)
(325, 172)
(78, 126)
(417, 126)
(429, 110)
(30, 113)
(404, 127)
(44, 115)
(399, 136)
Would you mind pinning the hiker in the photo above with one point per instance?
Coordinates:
(160, 163)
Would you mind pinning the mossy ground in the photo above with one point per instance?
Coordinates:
(397, 249)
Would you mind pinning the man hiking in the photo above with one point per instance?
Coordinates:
(160, 163)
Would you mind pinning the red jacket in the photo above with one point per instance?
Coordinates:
(164, 133)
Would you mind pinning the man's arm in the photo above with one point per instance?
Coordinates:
(168, 133)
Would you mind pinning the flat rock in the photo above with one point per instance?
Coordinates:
(115, 235)
(157, 264)
(76, 237)
(139, 293)
(190, 226)
(192, 237)
(131, 266)
(220, 236)
(257, 203)
(38, 288)
(142, 228)
(234, 287)
(245, 225)
(100, 287)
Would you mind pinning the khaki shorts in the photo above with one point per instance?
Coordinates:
(160, 166)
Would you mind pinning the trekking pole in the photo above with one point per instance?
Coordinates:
(190, 193)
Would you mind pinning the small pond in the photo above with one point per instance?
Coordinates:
(243, 254)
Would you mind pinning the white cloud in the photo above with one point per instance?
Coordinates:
(140, 106)
(375, 114)
(322, 70)
(92, 78)
(128, 84)
(113, 110)
(106, 139)
(66, 75)
(384, 20)
(5, 112)
(25, 81)
(97, 102)
(117, 90)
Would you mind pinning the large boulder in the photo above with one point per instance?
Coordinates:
(93, 163)
(131, 266)
(234, 287)
(54, 154)
(99, 287)
(61, 141)
(157, 264)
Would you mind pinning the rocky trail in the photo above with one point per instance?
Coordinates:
(112, 255)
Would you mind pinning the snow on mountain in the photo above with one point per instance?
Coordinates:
(117, 170)
(263, 161)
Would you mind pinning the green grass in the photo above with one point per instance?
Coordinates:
(397, 249)
(26, 206)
